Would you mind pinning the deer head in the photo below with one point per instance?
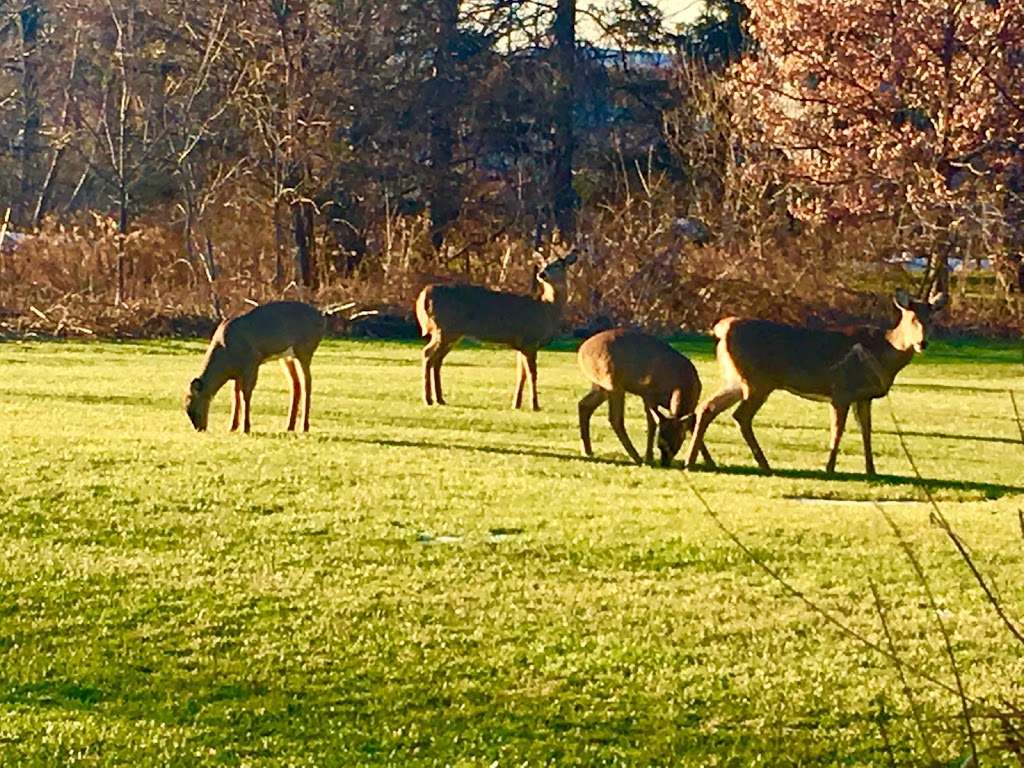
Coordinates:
(197, 405)
(916, 319)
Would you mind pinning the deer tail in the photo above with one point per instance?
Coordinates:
(423, 307)
(722, 327)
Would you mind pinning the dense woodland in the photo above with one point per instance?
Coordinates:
(170, 160)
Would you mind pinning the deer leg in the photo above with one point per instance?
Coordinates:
(236, 409)
(248, 385)
(744, 416)
(517, 396)
(705, 455)
(438, 394)
(293, 377)
(707, 412)
(444, 346)
(588, 404)
(839, 413)
(616, 415)
(652, 426)
(531, 365)
(862, 412)
(307, 392)
(428, 368)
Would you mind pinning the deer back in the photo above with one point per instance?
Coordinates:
(494, 316)
(819, 364)
(273, 329)
(623, 359)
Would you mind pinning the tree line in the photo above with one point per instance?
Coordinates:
(866, 129)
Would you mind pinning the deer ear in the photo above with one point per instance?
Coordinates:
(901, 299)
(663, 414)
(939, 301)
(196, 386)
(675, 404)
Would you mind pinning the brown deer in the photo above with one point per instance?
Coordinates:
(446, 313)
(285, 330)
(623, 360)
(844, 368)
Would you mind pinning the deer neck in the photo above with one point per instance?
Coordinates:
(217, 370)
(897, 351)
(552, 294)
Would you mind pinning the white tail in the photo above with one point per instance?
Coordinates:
(622, 360)
(446, 313)
(286, 330)
(843, 368)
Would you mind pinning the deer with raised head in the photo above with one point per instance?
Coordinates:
(623, 360)
(844, 368)
(446, 313)
(285, 330)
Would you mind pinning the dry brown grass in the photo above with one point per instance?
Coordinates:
(636, 269)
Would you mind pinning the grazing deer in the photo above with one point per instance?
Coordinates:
(843, 368)
(446, 313)
(285, 330)
(622, 360)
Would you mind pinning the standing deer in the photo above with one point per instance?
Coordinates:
(843, 368)
(285, 330)
(446, 313)
(622, 360)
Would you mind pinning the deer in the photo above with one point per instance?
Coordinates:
(622, 360)
(286, 330)
(446, 313)
(845, 368)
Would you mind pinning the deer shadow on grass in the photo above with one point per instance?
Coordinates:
(489, 449)
(905, 432)
(85, 398)
(990, 490)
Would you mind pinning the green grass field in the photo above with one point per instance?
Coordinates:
(414, 586)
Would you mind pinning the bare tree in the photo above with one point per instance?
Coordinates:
(563, 197)
(443, 188)
(29, 21)
(63, 135)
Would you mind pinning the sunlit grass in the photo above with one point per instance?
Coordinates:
(456, 585)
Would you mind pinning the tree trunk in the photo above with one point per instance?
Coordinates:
(46, 192)
(210, 265)
(296, 164)
(120, 160)
(1013, 218)
(189, 223)
(443, 186)
(28, 24)
(302, 229)
(122, 233)
(563, 197)
(278, 243)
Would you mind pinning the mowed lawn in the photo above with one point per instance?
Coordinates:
(457, 586)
